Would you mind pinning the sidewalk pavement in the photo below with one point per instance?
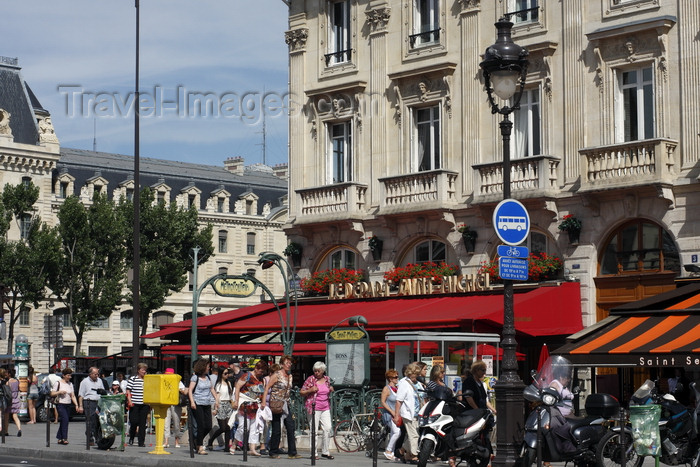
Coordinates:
(32, 444)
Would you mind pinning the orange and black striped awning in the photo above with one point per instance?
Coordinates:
(663, 331)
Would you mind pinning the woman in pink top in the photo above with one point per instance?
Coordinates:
(317, 390)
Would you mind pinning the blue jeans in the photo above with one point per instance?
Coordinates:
(63, 415)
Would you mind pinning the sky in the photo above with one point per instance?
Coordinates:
(211, 72)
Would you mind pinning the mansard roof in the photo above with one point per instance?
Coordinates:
(117, 168)
(15, 99)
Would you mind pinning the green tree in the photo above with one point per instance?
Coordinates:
(168, 234)
(27, 264)
(93, 268)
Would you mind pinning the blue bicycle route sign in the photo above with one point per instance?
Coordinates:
(511, 222)
(513, 251)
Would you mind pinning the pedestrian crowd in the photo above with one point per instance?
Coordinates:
(228, 404)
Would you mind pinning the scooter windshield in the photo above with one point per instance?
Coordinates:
(555, 367)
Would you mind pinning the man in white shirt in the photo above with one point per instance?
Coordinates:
(91, 388)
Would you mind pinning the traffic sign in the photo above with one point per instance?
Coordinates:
(513, 251)
(511, 222)
(512, 268)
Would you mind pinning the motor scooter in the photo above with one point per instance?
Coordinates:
(557, 438)
(679, 432)
(448, 429)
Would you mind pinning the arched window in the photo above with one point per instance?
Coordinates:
(430, 251)
(162, 317)
(639, 246)
(188, 315)
(342, 258)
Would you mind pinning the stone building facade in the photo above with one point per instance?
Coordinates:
(392, 136)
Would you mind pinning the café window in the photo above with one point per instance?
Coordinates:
(639, 246)
(343, 258)
(430, 251)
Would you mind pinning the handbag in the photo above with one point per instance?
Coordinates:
(276, 407)
(53, 400)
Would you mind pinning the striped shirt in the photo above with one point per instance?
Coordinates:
(135, 386)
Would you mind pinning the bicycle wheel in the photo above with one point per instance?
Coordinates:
(609, 451)
(347, 436)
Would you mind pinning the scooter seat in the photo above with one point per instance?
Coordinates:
(468, 417)
(575, 422)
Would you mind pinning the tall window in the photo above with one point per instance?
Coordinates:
(130, 195)
(220, 204)
(63, 190)
(223, 241)
(25, 225)
(341, 152)
(636, 116)
(430, 251)
(339, 50)
(426, 28)
(343, 258)
(125, 320)
(640, 246)
(527, 138)
(191, 201)
(427, 138)
(250, 243)
(523, 11)
(24, 316)
(160, 196)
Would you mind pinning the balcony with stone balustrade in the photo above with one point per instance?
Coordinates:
(340, 201)
(530, 177)
(629, 164)
(421, 191)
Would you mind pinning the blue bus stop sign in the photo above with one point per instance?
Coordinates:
(511, 222)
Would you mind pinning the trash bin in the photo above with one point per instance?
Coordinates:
(111, 416)
(645, 429)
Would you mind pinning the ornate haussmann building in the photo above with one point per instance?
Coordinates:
(392, 136)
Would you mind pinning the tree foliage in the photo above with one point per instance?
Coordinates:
(93, 261)
(168, 234)
(27, 264)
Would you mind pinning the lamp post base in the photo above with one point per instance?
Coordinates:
(510, 422)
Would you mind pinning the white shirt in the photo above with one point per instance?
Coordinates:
(406, 393)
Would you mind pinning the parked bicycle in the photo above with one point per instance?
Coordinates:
(358, 432)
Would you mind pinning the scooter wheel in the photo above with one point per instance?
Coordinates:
(424, 451)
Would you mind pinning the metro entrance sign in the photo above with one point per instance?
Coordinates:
(511, 222)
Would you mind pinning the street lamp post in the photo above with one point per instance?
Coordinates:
(288, 323)
(504, 68)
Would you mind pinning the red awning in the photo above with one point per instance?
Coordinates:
(549, 310)
(308, 349)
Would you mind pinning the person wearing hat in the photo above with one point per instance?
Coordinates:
(173, 415)
(116, 387)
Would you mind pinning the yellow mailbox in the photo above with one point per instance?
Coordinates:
(161, 389)
(160, 392)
